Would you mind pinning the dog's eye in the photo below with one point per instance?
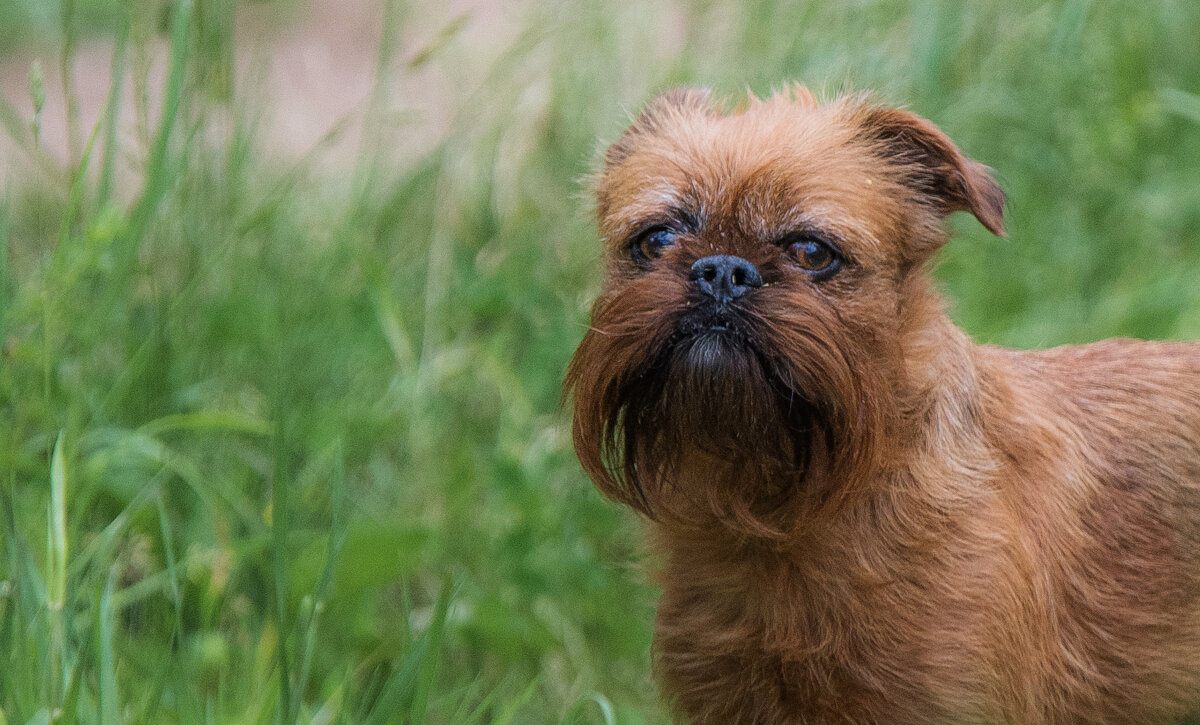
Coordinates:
(815, 256)
(651, 243)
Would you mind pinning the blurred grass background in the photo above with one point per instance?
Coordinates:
(280, 440)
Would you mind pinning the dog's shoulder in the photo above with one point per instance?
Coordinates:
(1121, 371)
(1129, 409)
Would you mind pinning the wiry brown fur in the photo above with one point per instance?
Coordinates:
(865, 518)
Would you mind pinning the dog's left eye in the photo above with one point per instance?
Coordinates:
(651, 243)
(815, 256)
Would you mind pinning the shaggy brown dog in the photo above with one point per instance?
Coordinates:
(864, 517)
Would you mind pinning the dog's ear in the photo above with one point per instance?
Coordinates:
(669, 105)
(935, 166)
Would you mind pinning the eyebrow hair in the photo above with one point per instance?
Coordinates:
(677, 216)
(692, 220)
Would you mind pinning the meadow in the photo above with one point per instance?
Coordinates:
(281, 444)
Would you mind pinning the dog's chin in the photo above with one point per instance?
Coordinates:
(719, 396)
(715, 426)
(714, 358)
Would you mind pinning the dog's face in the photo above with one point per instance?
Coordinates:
(745, 348)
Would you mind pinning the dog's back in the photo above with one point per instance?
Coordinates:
(1100, 453)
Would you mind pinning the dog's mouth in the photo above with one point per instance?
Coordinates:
(717, 320)
(716, 397)
(716, 369)
(720, 375)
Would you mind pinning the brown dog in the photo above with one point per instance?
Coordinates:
(864, 517)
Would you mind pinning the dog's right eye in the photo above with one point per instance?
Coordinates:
(650, 244)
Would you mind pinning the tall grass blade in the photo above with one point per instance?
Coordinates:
(509, 713)
(601, 702)
(103, 544)
(1181, 103)
(428, 671)
(4, 270)
(484, 707)
(337, 523)
(28, 581)
(157, 179)
(66, 66)
(172, 569)
(405, 694)
(77, 189)
(56, 541)
(368, 156)
(57, 575)
(112, 113)
(280, 481)
(37, 95)
(314, 605)
(228, 421)
(106, 669)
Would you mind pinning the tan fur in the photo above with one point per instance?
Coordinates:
(864, 517)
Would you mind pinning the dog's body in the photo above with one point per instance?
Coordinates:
(1053, 577)
(865, 518)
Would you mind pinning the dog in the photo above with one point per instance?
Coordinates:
(862, 516)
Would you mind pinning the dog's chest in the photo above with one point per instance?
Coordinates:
(767, 642)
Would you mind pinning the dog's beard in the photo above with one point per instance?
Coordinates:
(712, 395)
(743, 419)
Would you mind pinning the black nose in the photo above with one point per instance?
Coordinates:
(724, 277)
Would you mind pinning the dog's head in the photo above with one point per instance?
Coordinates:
(743, 353)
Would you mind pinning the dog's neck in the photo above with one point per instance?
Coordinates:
(937, 389)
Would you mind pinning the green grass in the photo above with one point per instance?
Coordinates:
(280, 445)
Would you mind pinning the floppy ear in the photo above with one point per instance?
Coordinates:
(668, 105)
(935, 166)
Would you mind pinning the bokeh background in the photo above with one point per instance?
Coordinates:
(287, 289)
